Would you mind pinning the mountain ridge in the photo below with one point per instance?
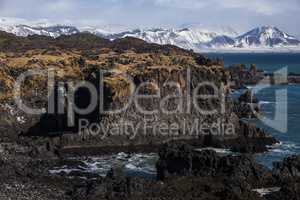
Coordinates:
(191, 37)
(267, 36)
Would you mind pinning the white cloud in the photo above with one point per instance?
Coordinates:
(186, 4)
(263, 7)
(61, 6)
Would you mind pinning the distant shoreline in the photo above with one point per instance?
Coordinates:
(250, 51)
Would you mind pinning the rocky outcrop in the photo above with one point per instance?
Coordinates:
(247, 105)
(181, 160)
(248, 97)
(242, 76)
(289, 190)
(251, 139)
(190, 187)
(287, 177)
(288, 169)
(294, 78)
(187, 174)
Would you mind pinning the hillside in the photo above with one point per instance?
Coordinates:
(80, 57)
(67, 53)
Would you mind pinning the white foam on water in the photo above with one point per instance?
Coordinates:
(284, 148)
(265, 191)
(67, 171)
(290, 145)
(264, 102)
(281, 151)
(121, 156)
(135, 163)
(131, 166)
(218, 150)
(276, 145)
(249, 87)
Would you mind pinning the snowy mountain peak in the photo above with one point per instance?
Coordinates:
(220, 30)
(52, 31)
(193, 36)
(266, 36)
(188, 38)
(21, 27)
(198, 38)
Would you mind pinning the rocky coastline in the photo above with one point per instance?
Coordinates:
(241, 76)
(31, 145)
(182, 172)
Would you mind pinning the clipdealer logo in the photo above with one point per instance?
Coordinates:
(184, 101)
(280, 120)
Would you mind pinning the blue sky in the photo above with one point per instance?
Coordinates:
(239, 14)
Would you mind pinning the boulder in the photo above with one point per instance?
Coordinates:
(175, 158)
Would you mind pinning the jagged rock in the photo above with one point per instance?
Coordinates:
(289, 190)
(241, 76)
(287, 175)
(247, 105)
(250, 139)
(175, 159)
(248, 97)
(289, 168)
(180, 159)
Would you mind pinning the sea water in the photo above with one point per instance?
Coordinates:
(271, 62)
(268, 62)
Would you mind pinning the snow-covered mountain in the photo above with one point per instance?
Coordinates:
(52, 31)
(221, 41)
(192, 36)
(189, 38)
(25, 28)
(266, 36)
(105, 30)
(219, 30)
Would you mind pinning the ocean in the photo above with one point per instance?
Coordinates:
(270, 62)
(289, 140)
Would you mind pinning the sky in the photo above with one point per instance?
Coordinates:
(241, 15)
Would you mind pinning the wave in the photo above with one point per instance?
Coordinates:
(265, 102)
(277, 153)
(265, 191)
(218, 150)
(256, 87)
(133, 164)
(282, 151)
(285, 148)
(66, 171)
(276, 145)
